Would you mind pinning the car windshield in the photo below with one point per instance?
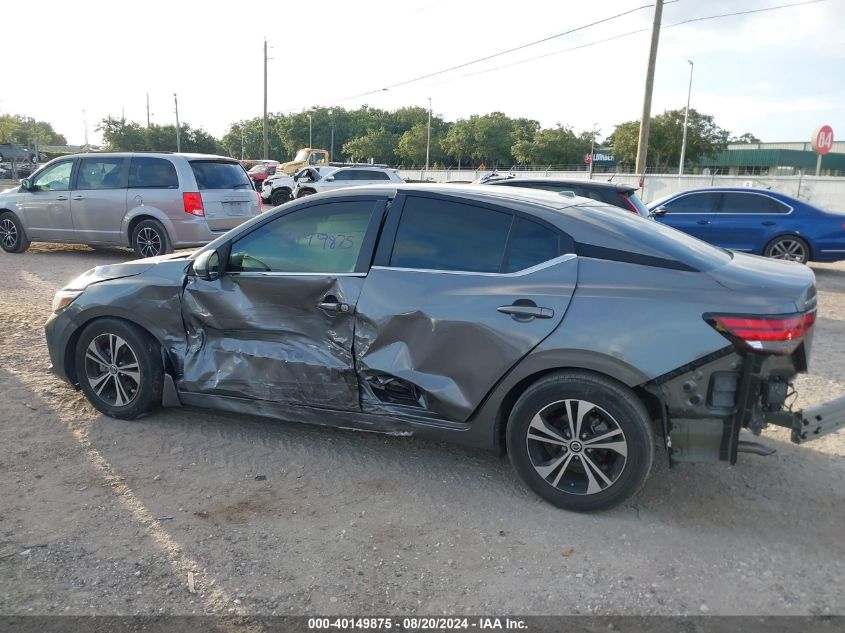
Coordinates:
(218, 174)
(301, 155)
(259, 169)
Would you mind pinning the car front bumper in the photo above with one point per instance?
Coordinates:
(60, 331)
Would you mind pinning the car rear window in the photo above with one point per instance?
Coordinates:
(218, 174)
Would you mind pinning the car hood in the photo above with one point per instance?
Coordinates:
(782, 286)
(125, 269)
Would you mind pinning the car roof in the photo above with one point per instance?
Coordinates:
(187, 155)
(573, 182)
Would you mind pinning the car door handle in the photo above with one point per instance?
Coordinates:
(704, 222)
(79, 198)
(331, 304)
(61, 197)
(527, 312)
(769, 223)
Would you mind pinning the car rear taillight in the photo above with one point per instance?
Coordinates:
(629, 204)
(779, 334)
(193, 203)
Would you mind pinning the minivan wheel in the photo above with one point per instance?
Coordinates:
(12, 237)
(119, 368)
(790, 248)
(581, 441)
(149, 238)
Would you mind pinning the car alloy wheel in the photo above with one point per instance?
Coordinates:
(149, 242)
(789, 249)
(112, 370)
(8, 233)
(577, 447)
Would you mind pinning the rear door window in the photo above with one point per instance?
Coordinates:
(736, 202)
(345, 174)
(152, 173)
(531, 244)
(218, 174)
(694, 203)
(436, 234)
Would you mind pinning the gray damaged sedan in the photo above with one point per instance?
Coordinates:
(553, 328)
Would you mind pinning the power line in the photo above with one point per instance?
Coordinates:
(628, 34)
(494, 55)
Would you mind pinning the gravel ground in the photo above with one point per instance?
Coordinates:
(100, 516)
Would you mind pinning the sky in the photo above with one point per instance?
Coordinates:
(777, 74)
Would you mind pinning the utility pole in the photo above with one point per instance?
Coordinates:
(148, 110)
(242, 140)
(428, 138)
(85, 123)
(592, 150)
(645, 121)
(686, 120)
(266, 150)
(178, 135)
(310, 136)
(331, 150)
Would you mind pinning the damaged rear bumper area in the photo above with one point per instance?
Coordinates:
(706, 404)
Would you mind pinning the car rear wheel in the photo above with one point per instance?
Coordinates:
(149, 238)
(12, 237)
(119, 368)
(581, 441)
(790, 248)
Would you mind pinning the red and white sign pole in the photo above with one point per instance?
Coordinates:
(822, 144)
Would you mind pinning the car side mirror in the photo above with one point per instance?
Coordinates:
(329, 178)
(26, 184)
(207, 266)
(658, 211)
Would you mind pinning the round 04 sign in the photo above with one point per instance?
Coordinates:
(823, 139)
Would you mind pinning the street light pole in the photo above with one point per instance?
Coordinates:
(686, 120)
(178, 137)
(592, 149)
(428, 137)
(265, 140)
(310, 136)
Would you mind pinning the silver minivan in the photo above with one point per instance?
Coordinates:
(153, 202)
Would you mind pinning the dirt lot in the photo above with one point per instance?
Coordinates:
(99, 516)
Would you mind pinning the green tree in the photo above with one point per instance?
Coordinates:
(26, 131)
(412, 144)
(129, 136)
(378, 145)
(122, 135)
(748, 137)
(458, 142)
(552, 146)
(704, 139)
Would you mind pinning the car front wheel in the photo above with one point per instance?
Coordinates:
(790, 248)
(119, 368)
(581, 441)
(12, 237)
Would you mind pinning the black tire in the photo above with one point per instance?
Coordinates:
(574, 475)
(150, 238)
(788, 247)
(104, 347)
(280, 196)
(12, 236)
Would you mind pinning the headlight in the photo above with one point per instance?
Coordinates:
(64, 298)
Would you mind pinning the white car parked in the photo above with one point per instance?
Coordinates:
(347, 177)
(278, 189)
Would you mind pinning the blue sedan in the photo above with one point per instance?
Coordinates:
(755, 221)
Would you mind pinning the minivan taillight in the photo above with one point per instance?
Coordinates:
(779, 334)
(193, 203)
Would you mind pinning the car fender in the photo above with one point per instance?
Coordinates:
(144, 210)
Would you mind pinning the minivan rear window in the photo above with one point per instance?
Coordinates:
(218, 174)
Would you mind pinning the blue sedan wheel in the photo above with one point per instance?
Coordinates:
(791, 248)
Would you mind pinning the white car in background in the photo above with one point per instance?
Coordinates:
(347, 177)
(278, 189)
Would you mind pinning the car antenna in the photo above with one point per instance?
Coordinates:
(612, 177)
